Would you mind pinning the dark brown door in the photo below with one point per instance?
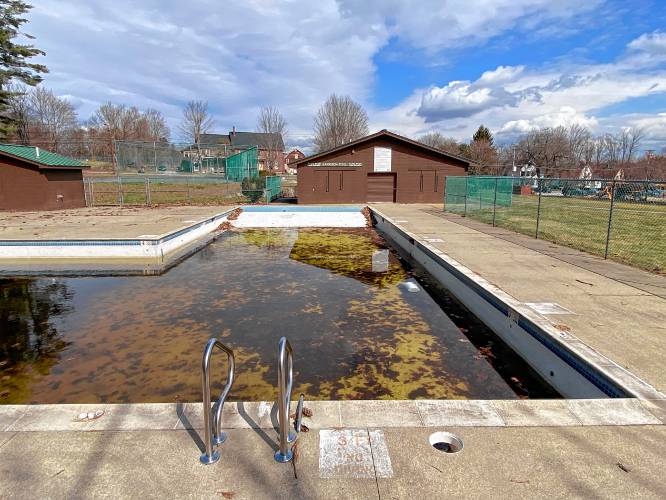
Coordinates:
(381, 187)
(321, 181)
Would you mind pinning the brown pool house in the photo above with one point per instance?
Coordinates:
(32, 178)
(382, 167)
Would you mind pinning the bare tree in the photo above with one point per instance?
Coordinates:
(54, 118)
(437, 140)
(195, 121)
(338, 121)
(629, 140)
(19, 109)
(547, 148)
(274, 127)
(157, 127)
(483, 154)
(108, 118)
(578, 138)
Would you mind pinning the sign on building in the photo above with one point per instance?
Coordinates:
(382, 160)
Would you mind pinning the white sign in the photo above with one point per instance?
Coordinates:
(380, 261)
(335, 164)
(382, 159)
(353, 453)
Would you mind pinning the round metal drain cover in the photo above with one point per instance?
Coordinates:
(446, 442)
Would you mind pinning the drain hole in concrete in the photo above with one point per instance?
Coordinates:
(446, 442)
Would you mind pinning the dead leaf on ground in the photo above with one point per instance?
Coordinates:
(623, 467)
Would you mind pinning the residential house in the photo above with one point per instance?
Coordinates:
(290, 160)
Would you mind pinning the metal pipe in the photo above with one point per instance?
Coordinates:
(610, 219)
(285, 383)
(213, 434)
(538, 217)
(495, 201)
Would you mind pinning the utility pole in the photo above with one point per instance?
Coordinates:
(513, 163)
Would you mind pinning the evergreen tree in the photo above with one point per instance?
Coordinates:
(483, 134)
(14, 58)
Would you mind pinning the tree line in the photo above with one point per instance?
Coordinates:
(41, 118)
(556, 152)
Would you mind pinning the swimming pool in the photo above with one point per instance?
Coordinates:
(364, 325)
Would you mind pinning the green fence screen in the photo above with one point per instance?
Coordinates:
(242, 165)
(465, 192)
(273, 187)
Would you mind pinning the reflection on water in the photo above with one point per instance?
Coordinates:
(333, 293)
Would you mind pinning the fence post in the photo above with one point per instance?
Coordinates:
(495, 201)
(92, 193)
(540, 187)
(610, 219)
(189, 195)
(466, 183)
(120, 191)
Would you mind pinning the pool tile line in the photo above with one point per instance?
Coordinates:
(595, 367)
(342, 414)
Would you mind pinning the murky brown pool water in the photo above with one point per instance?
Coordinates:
(340, 296)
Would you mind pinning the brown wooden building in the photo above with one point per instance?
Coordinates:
(382, 167)
(34, 179)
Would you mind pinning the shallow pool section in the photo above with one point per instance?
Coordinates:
(363, 324)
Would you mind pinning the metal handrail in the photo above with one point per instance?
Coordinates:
(285, 384)
(213, 434)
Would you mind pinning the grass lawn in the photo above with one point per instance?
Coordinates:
(134, 193)
(638, 232)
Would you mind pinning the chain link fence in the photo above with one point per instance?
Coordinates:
(617, 219)
(178, 190)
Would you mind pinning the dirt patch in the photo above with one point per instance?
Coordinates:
(368, 216)
(235, 214)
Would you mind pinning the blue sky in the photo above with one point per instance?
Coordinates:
(441, 65)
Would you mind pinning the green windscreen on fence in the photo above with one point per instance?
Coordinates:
(273, 187)
(477, 192)
(242, 165)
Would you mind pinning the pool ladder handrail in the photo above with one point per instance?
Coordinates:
(213, 435)
(285, 384)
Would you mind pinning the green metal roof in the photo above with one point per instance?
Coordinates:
(45, 158)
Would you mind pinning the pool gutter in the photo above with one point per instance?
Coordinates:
(573, 368)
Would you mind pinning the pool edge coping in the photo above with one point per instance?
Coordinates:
(341, 414)
(154, 240)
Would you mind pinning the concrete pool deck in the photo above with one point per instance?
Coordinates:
(101, 222)
(617, 310)
(523, 448)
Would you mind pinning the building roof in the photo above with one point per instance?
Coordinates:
(220, 139)
(252, 139)
(391, 135)
(40, 157)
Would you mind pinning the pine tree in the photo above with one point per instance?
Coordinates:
(483, 134)
(14, 64)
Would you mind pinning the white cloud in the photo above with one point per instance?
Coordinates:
(241, 56)
(654, 43)
(565, 116)
(461, 99)
(513, 99)
(437, 24)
